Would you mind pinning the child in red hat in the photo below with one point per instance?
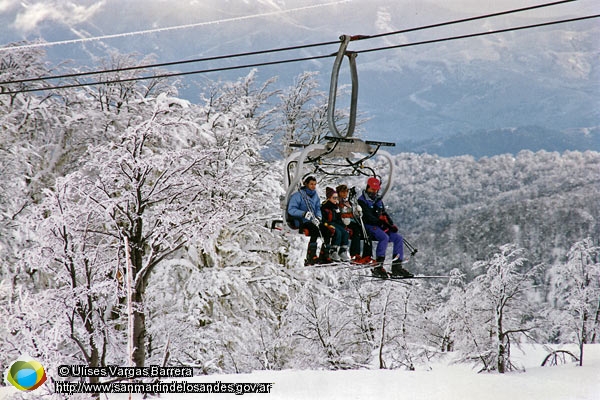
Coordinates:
(381, 228)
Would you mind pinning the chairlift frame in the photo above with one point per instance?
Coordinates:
(341, 151)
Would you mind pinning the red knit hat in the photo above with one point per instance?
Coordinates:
(374, 183)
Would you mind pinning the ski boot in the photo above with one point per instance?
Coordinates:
(368, 260)
(343, 254)
(356, 258)
(379, 271)
(311, 255)
(334, 254)
(324, 255)
(398, 271)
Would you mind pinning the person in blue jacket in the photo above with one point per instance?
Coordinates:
(381, 228)
(304, 209)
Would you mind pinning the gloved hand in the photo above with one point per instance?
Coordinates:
(384, 223)
(309, 216)
(383, 219)
(316, 221)
(358, 211)
(394, 228)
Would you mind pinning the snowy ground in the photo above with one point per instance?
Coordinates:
(439, 381)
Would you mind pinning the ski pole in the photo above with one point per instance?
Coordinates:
(410, 247)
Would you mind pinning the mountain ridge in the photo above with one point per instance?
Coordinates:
(488, 143)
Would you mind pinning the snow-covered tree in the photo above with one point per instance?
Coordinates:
(236, 115)
(445, 316)
(576, 295)
(318, 324)
(499, 298)
(37, 145)
(218, 319)
(302, 112)
(78, 265)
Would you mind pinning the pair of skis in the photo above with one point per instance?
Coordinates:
(405, 278)
(353, 265)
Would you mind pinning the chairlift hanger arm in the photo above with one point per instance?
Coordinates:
(345, 39)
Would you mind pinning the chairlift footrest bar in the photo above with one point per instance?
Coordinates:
(385, 144)
(341, 139)
(351, 140)
(298, 145)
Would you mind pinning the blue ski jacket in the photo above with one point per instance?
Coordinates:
(373, 211)
(298, 206)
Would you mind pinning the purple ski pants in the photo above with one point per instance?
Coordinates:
(383, 238)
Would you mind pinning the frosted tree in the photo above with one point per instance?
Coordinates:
(303, 112)
(151, 196)
(501, 304)
(76, 262)
(219, 319)
(576, 294)
(331, 322)
(445, 313)
(38, 143)
(237, 116)
(321, 323)
(28, 156)
(45, 135)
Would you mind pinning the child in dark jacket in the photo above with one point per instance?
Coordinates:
(334, 228)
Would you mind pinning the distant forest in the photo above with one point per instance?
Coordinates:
(455, 209)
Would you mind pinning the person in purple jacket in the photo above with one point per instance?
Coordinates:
(381, 228)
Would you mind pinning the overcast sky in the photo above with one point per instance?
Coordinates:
(509, 79)
(24, 19)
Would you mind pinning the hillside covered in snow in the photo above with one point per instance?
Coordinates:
(135, 229)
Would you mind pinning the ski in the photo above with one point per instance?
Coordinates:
(350, 264)
(421, 277)
(331, 264)
(402, 281)
(403, 278)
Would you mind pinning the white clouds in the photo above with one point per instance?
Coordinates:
(383, 23)
(58, 11)
(6, 5)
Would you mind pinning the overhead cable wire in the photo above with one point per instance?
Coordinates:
(309, 58)
(289, 48)
(472, 35)
(171, 63)
(178, 27)
(468, 19)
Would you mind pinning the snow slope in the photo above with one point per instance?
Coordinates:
(442, 381)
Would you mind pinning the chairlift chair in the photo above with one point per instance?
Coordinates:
(340, 154)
